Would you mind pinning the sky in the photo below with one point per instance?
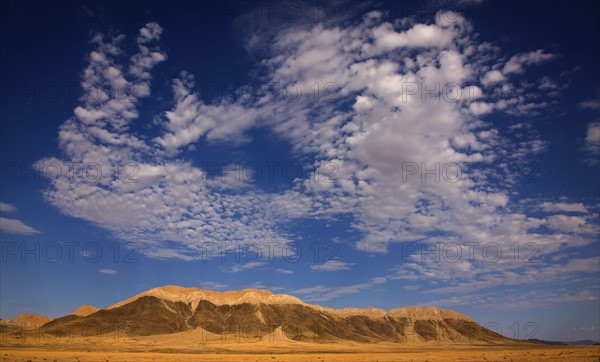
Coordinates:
(352, 154)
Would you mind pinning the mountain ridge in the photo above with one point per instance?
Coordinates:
(193, 295)
(85, 310)
(25, 321)
(260, 313)
(175, 293)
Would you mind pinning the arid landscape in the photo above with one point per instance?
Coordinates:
(173, 323)
(299, 180)
(306, 352)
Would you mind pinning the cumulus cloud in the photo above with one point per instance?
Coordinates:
(150, 32)
(420, 35)
(493, 76)
(566, 223)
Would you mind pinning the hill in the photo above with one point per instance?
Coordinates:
(259, 314)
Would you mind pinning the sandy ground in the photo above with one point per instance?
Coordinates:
(195, 346)
(447, 354)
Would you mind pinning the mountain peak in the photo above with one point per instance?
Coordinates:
(26, 320)
(193, 296)
(85, 310)
(178, 289)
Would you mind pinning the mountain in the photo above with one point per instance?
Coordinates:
(584, 342)
(260, 314)
(85, 310)
(24, 321)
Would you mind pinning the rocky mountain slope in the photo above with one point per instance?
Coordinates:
(24, 321)
(85, 310)
(259, 314)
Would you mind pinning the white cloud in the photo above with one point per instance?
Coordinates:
(518, 300)
(505, 273)
(420, 35)
(332, 265)
(156, 199)
(107, 271)
(493, 76)
(213, 285)
(472, 92)
(564, 206)
(517, 63)
(566, 223)
(479, 108)
(284, 271)
(14, 226)
(548, 84)
(191, 119)
(310, 290)
(4, 207)
(593, 104)
(378, 280)
(150, 32)
(246, 266)
(592, 142)
(257, 285)
(386, 109)
(322, 293)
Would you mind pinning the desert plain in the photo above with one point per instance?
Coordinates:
(200, 346)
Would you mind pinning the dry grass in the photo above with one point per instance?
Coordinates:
(196, 346)
(447, 353)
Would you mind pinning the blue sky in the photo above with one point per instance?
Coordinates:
(374, 154)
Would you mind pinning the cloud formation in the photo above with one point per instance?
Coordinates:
(592, 142)
(110, 272)
(391, 120)
(14, 226)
